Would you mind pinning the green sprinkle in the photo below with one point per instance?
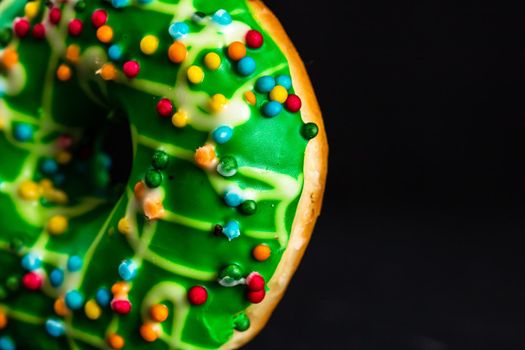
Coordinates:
(248, 207)
(80, 6)
(13, 282)
(153, 178)
(310, 130)
(160, 160)
(227, 166)
(241, 322)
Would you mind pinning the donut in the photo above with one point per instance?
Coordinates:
(162, 166)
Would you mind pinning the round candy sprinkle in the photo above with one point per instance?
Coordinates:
(246, 66)
(255, 282)
(55, 15)
(55, 327)
(250, 98)
(127, 270)
(31, 262)
(231, 276)
(23, 132)
(217, 103)
(119, 3)
(63, 72)
(222, 17)
(145, 2)
(75, 27)
(285, 81)
(92, 310)
(3, 320)
(236, 51)
(72, 55)
(121, 306)
(255, 297)
(32, 281)
(105, 34)
(60, 307)
(164, 107)
(195, 75)
(74, 263)
(179, 119)
(80, 6)
(293, 103)
(29, 190)
(153, 178)
(159, 312)
(149, 44)
(21, 27)
(31, 10)
(120, 289)
(57, 225)
(178, 30)
(49, 166)
(222, 134)
(261, 252)
(160, 159)
(6, 35)
(99, 18)
(149, 332)
(197, 295)
(39, 31)
(233, 198)
(272, 109)
(254, 39)
(279, 94)
(177, 52)
(115, 52)
(212, 61)
(309, 130)
(56, 277)
(7, 343)
(241, 322)
(115, 341)
(248, 207)
(265, 84)
(74, 299)
(227, 166)
(108, 71)
(13, 283)
(231, 230)
(103, 297)
(205, 156)
(9, 58)
(131, 69)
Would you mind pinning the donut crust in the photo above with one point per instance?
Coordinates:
(315, 171)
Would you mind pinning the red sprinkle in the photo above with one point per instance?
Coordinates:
(64, 141)
(255, 282)
(21, 27)
(39, 31)
(197, 295)
(165, 108)
(121, 306)
(75, 27)
(32, 281)
(131, 69)
(99, 18)
(254, 39)
(255, 297)
(55, 15)
(293, 103)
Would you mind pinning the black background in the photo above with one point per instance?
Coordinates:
(419, 245)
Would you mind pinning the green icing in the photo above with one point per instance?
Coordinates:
(177, 251)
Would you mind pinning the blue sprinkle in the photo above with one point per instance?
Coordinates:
(145, 2)
(103, 297)
(2, 88)
(285, 81)
(119, 3)
(49, 166)
(74, 299)
(56, 277)
(231, 230)
(222, 134)
(104, 161)
(59, 179)
(31, 262)
(74, 263)
(179, 30)
(55, 327)
(127, 270)
(265, 84)
(115, 52)
(233, 198)
(246, 66)
(23, 132)
(222, 17)
(272, 109)
(6, 343)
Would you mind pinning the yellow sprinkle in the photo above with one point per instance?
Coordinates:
(60, 307)
(63, 72)
(180, 119)
(124, 226)
(92, 310)
(108, 71)
(57, 225)
(2, 123)
(195, 74)
(63, 157)
(279, 94)
(9, 58)
(149, 44)
(217, 103)
(29, 190)
(249, 96)
(212, 61)
(105, 34)
(73, 53)
(31, 9)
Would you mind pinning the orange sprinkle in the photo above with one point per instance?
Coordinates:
(63, 72)
(205, 156)
(159, 312)
(63, 157)
(140, 190)
(3, 320)
(60, 307)
(9, 58)
(73, 53)
(105, 34)
(249, 96)
(236, 51)
(115, 341)
(120, 289)
(149, 332)
(108, 71)
(153, 209)
(261, 252)
(177, 52)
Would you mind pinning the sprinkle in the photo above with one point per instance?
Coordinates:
(236, 51)
(222, 17)
(250, 98)
(9, 58)
(217, 103)
(246, 66)
(217, 230)
(233, 198)
(74, 299)
(56, 277)
(212, 61)
(205, 156)
(99, 18)
(231, 276)
(179, 119)
(75, 27)
(31, 262)
(6, 34)
(103, 297)
(74, 263)
(49, 166)
(139, 190)
(39, 31)
(121, 307)
(177, 52)
(265, 84)
(92, 310)
(149, 44)
(31, 10)
(7, 343)
(279, 94)
(153, 178)
(63, 72)
(179, 30)
(285, 81)
(222, 134)
(105, 34)
(231, 230)
(55, 327)
(3, 319)
(57, 225)
(21, 27)
(115, 341)
(108, 71)
(254, 39)
(309, 130)
(227, 166)
(115, 52)
(248, 207)
(23, 132)
(55, 15)
(73, 53)
(127, 270)
(272, 109)
(255, 297)
(123, 226)
(13, 283)
(241, 322)
(255, 282)
(150, 332)
(164, 107)
(29, 190)
(293, 103)
(80, 6)
(197, 295)
(32, 281)
(120, 289)
(60, 307)
(131, 69)
(159, 312)
(145, 2)
(195, 74)
(119, 3)
(261, 252)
